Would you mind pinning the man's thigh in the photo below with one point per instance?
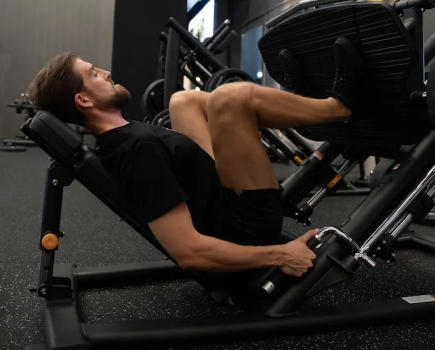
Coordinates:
(188, 116)
(241, 159)
(252, 207)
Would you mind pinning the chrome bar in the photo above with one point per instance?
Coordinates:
(402, 226)
(407, 220)
(332, 230)
(395, 229)
(431, 192)
(345, 169)
(317, 197)
(386, 225)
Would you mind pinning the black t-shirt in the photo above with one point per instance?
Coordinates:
(158, 169)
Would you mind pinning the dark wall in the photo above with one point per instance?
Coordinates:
(136, 44)
(31, 32)
(244, 15)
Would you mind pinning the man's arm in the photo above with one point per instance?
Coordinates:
(191, 250)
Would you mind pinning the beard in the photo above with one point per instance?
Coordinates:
(118, 100)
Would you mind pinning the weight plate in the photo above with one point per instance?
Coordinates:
(158, 118)
(153, 99)
(165, 122)
(226, 76)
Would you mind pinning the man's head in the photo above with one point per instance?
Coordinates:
(75, 90)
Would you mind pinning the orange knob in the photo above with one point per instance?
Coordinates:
(50, 241)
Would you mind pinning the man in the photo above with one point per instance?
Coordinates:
(207, 188)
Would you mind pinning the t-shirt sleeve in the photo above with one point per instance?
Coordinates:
(150, 182)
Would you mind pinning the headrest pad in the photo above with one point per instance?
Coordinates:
(55, 137)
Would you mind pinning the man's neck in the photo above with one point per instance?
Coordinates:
(105, 121)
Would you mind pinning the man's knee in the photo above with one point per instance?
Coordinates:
(231, 97)
(182, 99)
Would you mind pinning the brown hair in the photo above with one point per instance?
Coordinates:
(55, 87)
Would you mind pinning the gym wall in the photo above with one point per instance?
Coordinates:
(136, 44)
(32, 31)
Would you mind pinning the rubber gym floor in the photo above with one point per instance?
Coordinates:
(95, 237)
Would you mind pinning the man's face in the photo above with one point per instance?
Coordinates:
(99, 90)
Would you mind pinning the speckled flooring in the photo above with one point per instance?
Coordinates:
(94, 237)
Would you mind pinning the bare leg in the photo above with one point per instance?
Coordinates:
(234, 113)
(241, 160)
(279, 109)
(188, 116)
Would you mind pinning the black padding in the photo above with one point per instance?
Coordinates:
(56, 138)
(389, 53)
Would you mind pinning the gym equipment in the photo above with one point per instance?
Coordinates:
(429, 49)
(152, 99)
(363, 135)
(190, 64)
(226, 76)
(162, 119)
(273, 300)
(281, 146)
(23, 107)
(26, 107)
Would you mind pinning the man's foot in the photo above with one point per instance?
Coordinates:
(349, 69)
(292, 72)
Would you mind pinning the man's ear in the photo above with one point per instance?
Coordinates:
(83, 101)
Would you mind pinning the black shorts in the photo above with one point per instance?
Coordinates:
(253, 218)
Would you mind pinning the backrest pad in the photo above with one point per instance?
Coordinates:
(56, 138)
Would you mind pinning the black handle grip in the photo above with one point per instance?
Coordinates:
(313, 243)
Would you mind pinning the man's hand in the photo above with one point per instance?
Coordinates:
(298, 258)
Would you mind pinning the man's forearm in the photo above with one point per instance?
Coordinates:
(212, 254)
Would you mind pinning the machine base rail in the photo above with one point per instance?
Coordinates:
(89, 277)
(429, 219)
(65, 330)
(417, 240)
(18, 142)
